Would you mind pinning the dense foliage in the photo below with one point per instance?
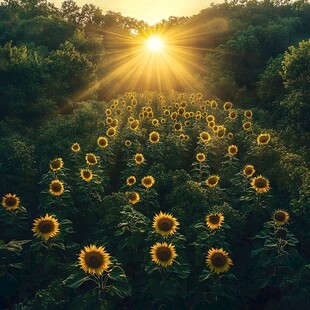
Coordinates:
(232, 178)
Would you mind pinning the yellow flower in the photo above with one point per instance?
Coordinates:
(163, 254)
(221, 131)
(155, 122)
(91, 159)
(200, 157)
(260, 184)
(227, 106)
(248, 113)
(212, 181)
(127, 143)
(94, 260)
(154, 137)
(232, 115)
(139, 158)
(214, 220)
(56, 188)
(134, 125)
(218, 260)
(56, 164)
(232, 150)
(281, 217)
(248, 171)
(165, 224)
(230, 135)
(210, 118)
(204, 136)
(75, 147)
(108, 112)
(247, 126)
(111, 132)
(86, 175)
(46, 227)
(148, 181)
(131, 180)
(10, 202)
(134, 198)
(213, 104)
(178, 126)
(263, 138)
(102, 142)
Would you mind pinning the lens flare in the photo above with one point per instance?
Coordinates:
(155, 44)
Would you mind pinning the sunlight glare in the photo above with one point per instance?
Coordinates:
(155, 44)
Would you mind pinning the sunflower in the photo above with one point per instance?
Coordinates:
(111, 132)
(154, 137)
(177, 126)
(108, 112)
(263, 138)
(134, 125)
(221, 131)
(94, 260)
(233, 115)
(213, 104)
(10, 202)
(248, 171)
(56, 188)
(181, 111)
(281, 217)
(131, 180)
(75, 147)
(227, 106)
(148, 181)
(91, 159)
(114, 123)
(174, 115)
(139, 158)
(230, 135)
(212, 181)
(260, 184)
(200, 157)
(56, 164)
(86, 175)
(232, 150)
(247, 126)
(163, 254)
(204, 136)
(248, 113)
(165, 224)
(155, 122)
(46, 227)
(210, 118)
(127, 143)
(134, 198)
(109, 120)
(167, 112)
(218, 260)
(211, 124)
(214, 220)
(102, 142)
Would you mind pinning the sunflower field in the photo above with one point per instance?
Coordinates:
(156, 201)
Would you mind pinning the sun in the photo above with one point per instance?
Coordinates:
(155, 44)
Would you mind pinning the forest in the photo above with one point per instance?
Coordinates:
(135, 180)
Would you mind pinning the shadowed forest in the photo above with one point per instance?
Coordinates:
(139, 180)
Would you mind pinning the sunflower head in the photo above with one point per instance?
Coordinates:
(230, 135)
(218, 260)
(247, 126)
(56, 164)
(213, 104)
(75, 147)
(210, 118)
(139, 158)
(86, 175)
(233, 115)
(163, 254)
(248, 113)
(212, 181)
(263, 138)
(280, 217)
(232, 150)
(128, 143)
(131, 180)
(91, 159)
(260, 184)
(94, 260)
(148, 181)
(205, 136)
(134, 125)
(111, 132)
(10, 202)
(248, 171)
(102, 142)
(56, 188)
(227, 106)
(155, 122)
(200, 157)
(134, 198)
(154, 137)
(46, 227)
(165, 224)
(214, 220)
(221, 131)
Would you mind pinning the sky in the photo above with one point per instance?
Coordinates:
(151, 11)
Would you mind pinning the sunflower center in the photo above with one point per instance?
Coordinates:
(233, 150)
(212, 180)
(214, 219)
(11, 201)
(56, 164)
(75, 147)
(248, 171)
(260, 183)
(154, 137)
(165, 224)
(247, 125)
(91, 159)
(94, 260)
(102, 142)
(163, 254)
(263, 139)
(46, 227)
(56, 187)
(218, 260)
(86, 174)
(147, 181)
(280, 216)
